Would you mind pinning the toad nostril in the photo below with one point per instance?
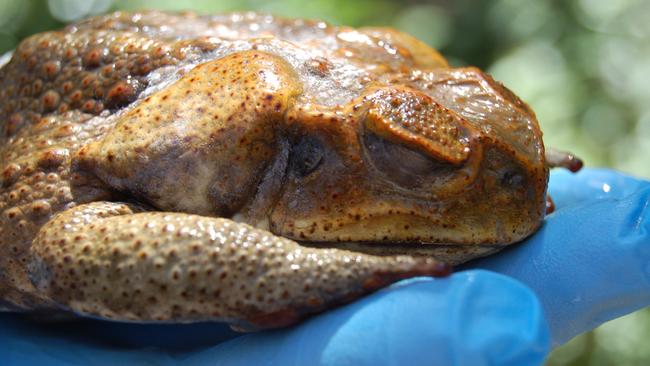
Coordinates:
(512, 179)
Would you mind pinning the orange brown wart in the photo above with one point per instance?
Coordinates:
(248, 168)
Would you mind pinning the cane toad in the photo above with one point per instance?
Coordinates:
(248, 168)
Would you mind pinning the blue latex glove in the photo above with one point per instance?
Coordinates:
(588, 264)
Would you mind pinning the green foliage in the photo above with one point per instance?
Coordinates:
(584, 67)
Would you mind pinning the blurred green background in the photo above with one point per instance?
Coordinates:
(584, 67)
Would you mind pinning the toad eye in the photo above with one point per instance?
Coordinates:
(306, 156)
(405, 166)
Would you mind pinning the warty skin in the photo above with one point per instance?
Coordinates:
(250, 169)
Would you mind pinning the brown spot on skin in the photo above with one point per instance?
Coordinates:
(75, 96)
(53, 158)
(93, 58)
(13, 124)
(13, 213)
(10, 173)
(319, 66)
(121, 93)
(40, 208)
(50, 100)
(88, 106)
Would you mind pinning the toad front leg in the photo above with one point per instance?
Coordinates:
(113, 260)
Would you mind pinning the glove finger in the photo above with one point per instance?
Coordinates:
(570, 189)
(588, 264)
(470, 318)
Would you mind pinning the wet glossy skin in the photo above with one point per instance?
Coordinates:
(332, 137)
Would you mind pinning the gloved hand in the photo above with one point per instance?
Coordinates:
(588, 264)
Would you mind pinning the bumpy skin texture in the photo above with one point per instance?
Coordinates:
(328, 136)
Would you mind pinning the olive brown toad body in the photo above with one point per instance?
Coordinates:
(247, 168)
